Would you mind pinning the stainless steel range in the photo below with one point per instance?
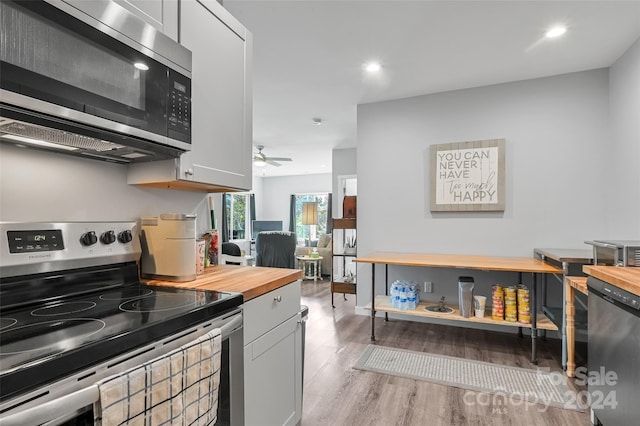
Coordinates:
(74, 312)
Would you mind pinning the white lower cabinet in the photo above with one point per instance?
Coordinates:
(273, 358)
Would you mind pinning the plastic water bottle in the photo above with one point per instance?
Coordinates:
(403, 298)
(392, 294)
(404, 295)
(411, 299)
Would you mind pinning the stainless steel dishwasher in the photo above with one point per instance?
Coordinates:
(613, 352)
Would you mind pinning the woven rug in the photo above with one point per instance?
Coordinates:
(535, 386)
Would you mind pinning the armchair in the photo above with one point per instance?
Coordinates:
(232, 255)
(276, 249)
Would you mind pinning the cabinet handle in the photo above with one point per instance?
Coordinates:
(188, 172)
(277, 299)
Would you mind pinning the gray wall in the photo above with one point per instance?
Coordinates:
(276, 193)
(623, 188)
(556, 174)
(46, 186)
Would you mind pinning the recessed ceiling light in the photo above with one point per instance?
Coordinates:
(317, 121)
(373, 67)
(556, 31)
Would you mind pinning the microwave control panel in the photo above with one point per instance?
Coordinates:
(179, 103)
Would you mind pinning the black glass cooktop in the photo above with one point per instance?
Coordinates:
(45, 341)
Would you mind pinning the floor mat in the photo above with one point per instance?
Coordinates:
(536, 386)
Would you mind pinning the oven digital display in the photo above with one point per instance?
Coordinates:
(35, 241)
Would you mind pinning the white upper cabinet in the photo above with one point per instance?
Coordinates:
(162, 14)
(221, 134)
(221, 121)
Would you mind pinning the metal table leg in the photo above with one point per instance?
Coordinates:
(565, 270)
(534, 314)
(373, 302)
(544, 299)
(386, 288)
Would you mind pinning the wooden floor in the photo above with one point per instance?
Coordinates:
(337, 394)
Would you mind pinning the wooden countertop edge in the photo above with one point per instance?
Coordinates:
(579, 283)
(627, 278)
(250, 281)
(266, 288)
(488, 263)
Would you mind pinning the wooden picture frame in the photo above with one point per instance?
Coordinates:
(467, 176)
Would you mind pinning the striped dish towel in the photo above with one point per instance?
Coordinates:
(179, 388)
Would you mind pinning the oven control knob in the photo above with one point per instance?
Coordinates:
(125, 237)
(88, 238)
(108, 237)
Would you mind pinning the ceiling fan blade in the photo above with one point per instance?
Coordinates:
(273, 163)
(279, 158)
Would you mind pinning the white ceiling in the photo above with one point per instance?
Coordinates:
(308, 57)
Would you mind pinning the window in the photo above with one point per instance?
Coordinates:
(237, 216)
(304, 232)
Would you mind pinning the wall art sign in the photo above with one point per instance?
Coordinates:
(467, 176)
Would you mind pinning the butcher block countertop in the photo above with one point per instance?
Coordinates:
(251, 281)
(627, 278)
(486, 263)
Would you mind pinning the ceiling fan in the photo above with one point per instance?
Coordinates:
(260, 160)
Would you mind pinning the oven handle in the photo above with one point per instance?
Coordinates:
(75, 401)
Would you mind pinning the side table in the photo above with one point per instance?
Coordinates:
(310, 267)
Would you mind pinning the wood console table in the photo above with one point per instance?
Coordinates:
(485, 263)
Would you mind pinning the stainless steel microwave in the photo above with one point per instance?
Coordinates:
(90, 78)
(616, 252)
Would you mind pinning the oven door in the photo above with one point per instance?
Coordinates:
(70, 401)
(56, 64)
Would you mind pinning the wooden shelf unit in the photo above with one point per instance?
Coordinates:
(383, 304)
(337, 284)
(531, 265)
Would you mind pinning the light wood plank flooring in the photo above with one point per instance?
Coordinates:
(337, 394)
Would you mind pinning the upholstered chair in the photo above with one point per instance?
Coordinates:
(276, 249)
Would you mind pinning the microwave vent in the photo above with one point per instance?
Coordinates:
(55, 136)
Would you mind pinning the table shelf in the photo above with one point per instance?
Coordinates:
(521, 265)
(383, 304)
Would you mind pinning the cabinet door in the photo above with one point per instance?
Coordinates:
(273, 376)
(221, 115)
(162, 14)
